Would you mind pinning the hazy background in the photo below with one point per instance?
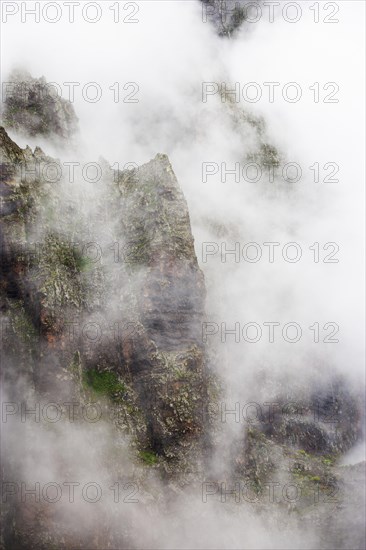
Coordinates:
(169, 53)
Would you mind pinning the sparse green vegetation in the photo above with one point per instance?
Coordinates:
(148, 457)
(83, 263)
(103, 383)
(314, 478)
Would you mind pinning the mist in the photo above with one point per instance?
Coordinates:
(165, 58)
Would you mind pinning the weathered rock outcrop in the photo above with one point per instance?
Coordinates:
(229, 15)
(36, 108)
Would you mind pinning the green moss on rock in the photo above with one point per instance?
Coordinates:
(148, 457)
(103, 383)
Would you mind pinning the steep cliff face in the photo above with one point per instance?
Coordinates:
(169, 305)
(159, 292)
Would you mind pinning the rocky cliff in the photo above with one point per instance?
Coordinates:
(159, 290)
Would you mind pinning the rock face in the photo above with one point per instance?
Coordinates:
(159, 293)
(35, 107)
(169, 303)
(157, 229)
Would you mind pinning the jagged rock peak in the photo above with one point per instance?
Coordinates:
(34, 108)
(9, 150)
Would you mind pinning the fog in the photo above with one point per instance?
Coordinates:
(169, 54)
